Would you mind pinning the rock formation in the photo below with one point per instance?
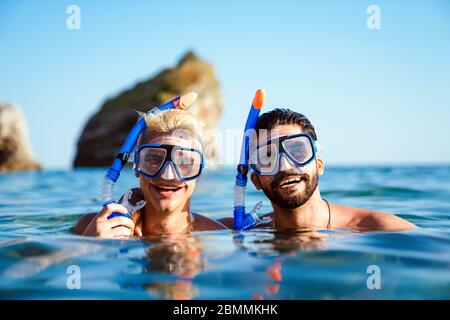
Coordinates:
(105, 132)
(15, 150)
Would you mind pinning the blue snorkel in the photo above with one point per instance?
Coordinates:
(243, 220)
(113, 173)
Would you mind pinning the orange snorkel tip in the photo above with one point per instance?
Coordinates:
(187, 100)
(259, 99)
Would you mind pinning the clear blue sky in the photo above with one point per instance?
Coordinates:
(375, 96)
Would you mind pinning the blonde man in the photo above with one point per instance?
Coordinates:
(168, 162)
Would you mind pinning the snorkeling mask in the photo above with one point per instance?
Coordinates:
(152, 159)
(300, 149)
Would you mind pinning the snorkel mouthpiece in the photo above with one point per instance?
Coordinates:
(113, 173)
(243, 220)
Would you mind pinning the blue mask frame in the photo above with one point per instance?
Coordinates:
(281, 150)
(169, 148)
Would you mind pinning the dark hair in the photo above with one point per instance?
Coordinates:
(280, 116)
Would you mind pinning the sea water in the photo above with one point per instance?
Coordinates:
(41, 259)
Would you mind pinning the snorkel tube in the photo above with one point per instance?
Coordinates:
(242, 220)
(113, 173)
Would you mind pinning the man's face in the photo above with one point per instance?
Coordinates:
(167, 193)
(291, 186)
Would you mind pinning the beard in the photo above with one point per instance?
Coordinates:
(294, 201)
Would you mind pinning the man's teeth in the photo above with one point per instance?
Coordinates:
(289, 182)
(168, 188)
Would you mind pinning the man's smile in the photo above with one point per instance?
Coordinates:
(167, 190)
(288, 183)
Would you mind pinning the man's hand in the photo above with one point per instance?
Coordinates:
(115, 228)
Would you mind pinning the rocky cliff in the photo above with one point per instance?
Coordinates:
(105, 132)
(15, 150)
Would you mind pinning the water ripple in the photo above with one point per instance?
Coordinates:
(37, 211)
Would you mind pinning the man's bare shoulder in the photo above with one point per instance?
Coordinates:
(227, 221)
(366, 220)
(203, 223)
(83, 222)
(136, 196)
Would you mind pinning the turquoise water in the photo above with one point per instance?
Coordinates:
(37, 250)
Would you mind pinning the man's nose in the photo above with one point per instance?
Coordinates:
(169, 172)
(285, 163)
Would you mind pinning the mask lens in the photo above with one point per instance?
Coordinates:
(299, 148)
(188, 162)
(266, 158)
(151, 160)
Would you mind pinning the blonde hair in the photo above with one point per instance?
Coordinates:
(171, 120)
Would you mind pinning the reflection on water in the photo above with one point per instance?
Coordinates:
(183, 257)
(33, 257)
(180, 256)
(287, 242)
(36, 247)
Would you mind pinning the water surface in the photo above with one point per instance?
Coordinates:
(37, 249)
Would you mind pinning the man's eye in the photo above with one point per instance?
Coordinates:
(186, 159)
(299, 150)
(153, 159)
(298, 153)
